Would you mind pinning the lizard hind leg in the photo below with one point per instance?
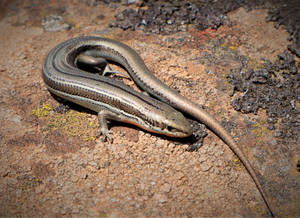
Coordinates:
(91, 64)
(87, 61)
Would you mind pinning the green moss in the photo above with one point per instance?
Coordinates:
(28, 182)
(90, 138)
(44, 111)
(238, 163)
(72, 123)
(77, 26)
(231, 47)
(260, 129)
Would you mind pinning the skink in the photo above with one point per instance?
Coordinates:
(116, 101)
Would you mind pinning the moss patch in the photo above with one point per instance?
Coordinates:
(71, 123)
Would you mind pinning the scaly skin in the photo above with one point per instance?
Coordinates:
(112, 50)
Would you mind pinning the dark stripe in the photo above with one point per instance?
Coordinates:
(72, 68)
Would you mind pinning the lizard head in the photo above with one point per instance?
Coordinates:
(176, 125)
(169, 122)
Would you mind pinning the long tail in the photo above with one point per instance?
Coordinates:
(195, 110)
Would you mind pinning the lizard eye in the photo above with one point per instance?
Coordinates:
(171, 129)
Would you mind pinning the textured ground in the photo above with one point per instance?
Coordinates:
(52, 164)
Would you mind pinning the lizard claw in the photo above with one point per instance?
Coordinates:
(106, 133)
